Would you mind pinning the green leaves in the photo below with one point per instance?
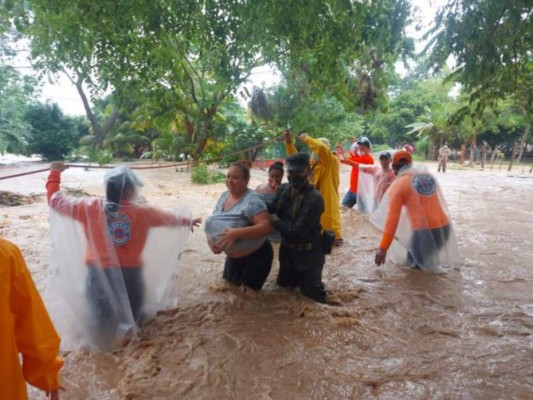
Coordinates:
(490, 41)
(53, 134)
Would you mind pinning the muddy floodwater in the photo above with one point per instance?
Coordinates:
(397, 333)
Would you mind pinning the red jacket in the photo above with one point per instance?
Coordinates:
(128, 239)
(354, 177)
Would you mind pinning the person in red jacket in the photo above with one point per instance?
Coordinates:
(26, 332)
(115, 233)
(360, 153)
(426, 232)
(374, 180)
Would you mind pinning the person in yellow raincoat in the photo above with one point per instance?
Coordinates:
(325, 178)
(25, 329)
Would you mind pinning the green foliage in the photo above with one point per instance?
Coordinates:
(318, 115)
(16, 93)
(187, 59)
(490, 41)
(339, 47)
(169, 146)
(13, 19)
(53, 134)
(92, 154)
(418, 107)
(201, 174)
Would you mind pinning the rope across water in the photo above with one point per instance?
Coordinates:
(176, 164)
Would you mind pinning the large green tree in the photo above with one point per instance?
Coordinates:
(490, 42)
(54, 135)
(17, 92)
(192, 56)
(418, 109)
(288, 106)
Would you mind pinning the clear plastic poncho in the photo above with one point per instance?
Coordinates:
(366, 196)
(424, 236)
(111, 263)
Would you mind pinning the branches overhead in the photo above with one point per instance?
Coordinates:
(490, 42)
(146, 43)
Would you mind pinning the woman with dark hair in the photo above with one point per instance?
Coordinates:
(103, 241)
(275, 176)
(239, 227)
(267, 191)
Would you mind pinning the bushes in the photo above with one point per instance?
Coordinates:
(201, 174)
(53, 134)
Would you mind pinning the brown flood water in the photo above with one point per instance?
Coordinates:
(398, 333)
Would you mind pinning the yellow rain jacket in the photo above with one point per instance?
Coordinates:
(26, 329)
(326, 179)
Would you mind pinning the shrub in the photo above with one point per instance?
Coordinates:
(201, 174)
(53, 134)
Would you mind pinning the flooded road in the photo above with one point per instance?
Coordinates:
(398, 333)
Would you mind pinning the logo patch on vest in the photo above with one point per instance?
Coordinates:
(120, 230)
(424, 184)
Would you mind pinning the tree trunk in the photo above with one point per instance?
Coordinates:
(483, 155)
(463, 153)
(523, 143)
(99, 132)
(493, 156)
(472, 149)
(199, 148)
(513, 152)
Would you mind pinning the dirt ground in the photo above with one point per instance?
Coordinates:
(398, 333)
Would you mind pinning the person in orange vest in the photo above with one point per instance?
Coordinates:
(26, 332)
(427, 231)
(103, 241)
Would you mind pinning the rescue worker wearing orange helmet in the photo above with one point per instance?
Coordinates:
(426, 232)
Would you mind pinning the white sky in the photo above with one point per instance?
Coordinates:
(66, 96)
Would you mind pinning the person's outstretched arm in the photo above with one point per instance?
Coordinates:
(290, 148)
(54, 179)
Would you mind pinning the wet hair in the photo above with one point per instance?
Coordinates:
(244, 166)
(278, 165)
(118, 190)
(121, 183)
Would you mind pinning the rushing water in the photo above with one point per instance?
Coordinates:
(398, 333)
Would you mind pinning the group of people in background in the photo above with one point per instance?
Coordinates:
(103, 241)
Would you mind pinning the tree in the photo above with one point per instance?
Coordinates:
(490, 42)
(419, 109)
(53, 134)
(192, 56)
(16, 93)
(318, 115)
(13, 19)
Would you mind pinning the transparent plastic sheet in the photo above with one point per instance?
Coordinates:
(439, 251)
(366, 203)
(275, 236)
(93, 301)
(218, 223)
